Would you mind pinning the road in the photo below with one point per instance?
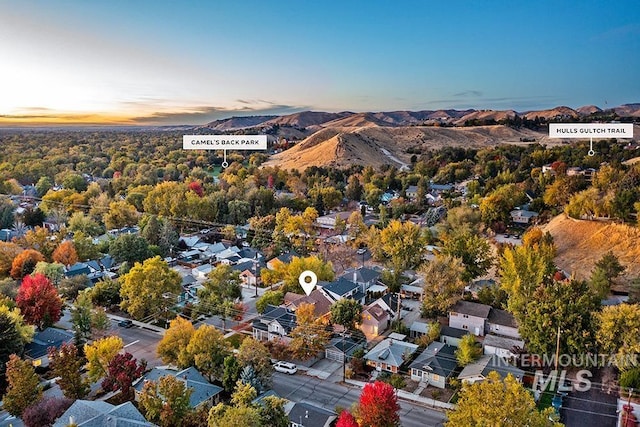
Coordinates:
(330, 395)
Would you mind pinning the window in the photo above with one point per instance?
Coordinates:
(465, 327)
(435, 377)
(466, 316)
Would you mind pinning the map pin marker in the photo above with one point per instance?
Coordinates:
(308, 280)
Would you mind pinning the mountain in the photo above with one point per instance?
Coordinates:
(589, 109)
(306, 119)
(234, 123)
(484, 116)
(628, 110)
(561, 112)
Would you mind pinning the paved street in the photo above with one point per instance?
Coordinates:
(329, 395)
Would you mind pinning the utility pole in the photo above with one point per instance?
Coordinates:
(255, 272)
(344, 358)
(557, 348)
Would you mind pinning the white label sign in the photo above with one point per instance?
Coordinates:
(224, 142)
(590, 130)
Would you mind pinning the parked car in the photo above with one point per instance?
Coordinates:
(126, 323)
(361, 251)
(285, 367)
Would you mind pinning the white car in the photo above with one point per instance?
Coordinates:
(285, 367)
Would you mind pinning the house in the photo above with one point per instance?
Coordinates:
(434, 365)
(412, 192)
(98, 413)
(204, 393)
(188, 241)
(281, 259)
(342, 288)
(477, 285)
(522, 216)
(338, 348)
(470, 316)
(418, 329)
(390, 354)
(412, 292)
(37, 350)
(229, 255)
(506, 348)
(250, 271)
(452, 336)
(389, 303)
(275, 323)
(303, 414)
(201, 272)
(479, 370)
(321, 303)
(375, 320)
(366, 278)
(501, 322)
(329, 221)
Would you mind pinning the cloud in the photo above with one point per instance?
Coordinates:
(467, 93)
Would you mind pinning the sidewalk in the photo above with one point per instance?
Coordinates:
(404, 395)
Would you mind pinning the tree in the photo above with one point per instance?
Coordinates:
(122, 372)
(497, 402)
(473, 250)
(130, 248)
(468, 350)
(617, 332)
(310, 336)
(25, 262)
(354, 189)
(272, 412)
(25, 332)
(45, 411)
(99, 354)
(8, 252)
(23, 386)
(10, 340)
(269, 298)
(106, 293)
(290, 273)
(220, 292)
(66, 364)
(232, 416)
(356, 228)
(610, 265)
(403, 244)
(378, 406)
(208, 348)
(65, 253)
(39, 301)
(85, 318)
(150, 289)
(230, 373)
(121, 214)
(346, 312)
(497, 204)
(85, 248)
(79, 222)
(443, 285)
(53, 271)
(172, 348)
(166, 401)
(346, 420)
(254, 353)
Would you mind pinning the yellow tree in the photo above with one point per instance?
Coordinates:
(403, 244)
(310, 336)
(497, 402)
(290, 273)
(8, 251)
(617, 333)
(208, 348)
(172, 348)
(23, 386)
(99, 354)
(150, 289)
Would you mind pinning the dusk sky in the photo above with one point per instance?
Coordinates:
(160, 62)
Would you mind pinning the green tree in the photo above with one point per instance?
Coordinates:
(11, 341)
(23, 386)
(79, 222)
(610, 265)
(86, 319)
(130, 248)
(150, 289)
(346, 312)
(66, 364)
(617, 332)
(230, 373)
(54, 271)
(443, 284)
(220, 293)
(497, 204)
(473, 250)
(255, 354)
(498, 402)
(269, 298)
(272, 412)
(208, 348)
(166, 401)
(468, 350)
(106, 293)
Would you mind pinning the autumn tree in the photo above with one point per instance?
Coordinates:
(45, 411)
(272, 412)
(617, 332)
(443, 284)
(378, 406)
(497, 204)
(255, 354)
(25, 331)
(121, 214)
(24, 263)
(123, 370)
(166, 401)
(269, 298)
(99, 354)
(172, 348)
(346, 419)
(220, 293)
(23, 386)
(66, 364)
(290, 273)
(468, 350)
(346, 312)
(8, 251)
(473, 250)
(310, 336)
(65, 253)
(356, 228)
(208, 349)
(403, 244)
(150, 289)
(497, 402)
(54, 271)
(39, 301)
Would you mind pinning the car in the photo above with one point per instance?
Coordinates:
(125, 323)
(361, 251)
(285, 367)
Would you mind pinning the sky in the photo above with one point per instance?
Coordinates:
(169, 62)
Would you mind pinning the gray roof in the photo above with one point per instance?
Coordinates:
(310, 415)
(42, 340)
(438, 358)
(363, 274)
(448, 331)
(97, 413)
(421, 327)
(350, 345)
(203, 390)
(341, 286)
(472, 309)
(488, 363)
(502, 342)
(391, 352)
(285, 317)
(502, 317)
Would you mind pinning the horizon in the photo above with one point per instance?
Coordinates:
(164, 64)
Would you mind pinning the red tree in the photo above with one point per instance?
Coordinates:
(378, 406)
(39, 301)
(45, 411)
(122, 371)
(346, 420)
(196, 188)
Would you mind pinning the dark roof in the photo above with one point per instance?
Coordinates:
(311, 416)
(97, 413)
(363, 274)
(77, 269)
(438, 358)
(249, 253)
(50, 337)
(285, 317)
(341, 286)
(249, 265)
(287, 257)
(448, 331)
(502, 317)
(107, 261)
(203, 390)
(350, 344)
(472, 309)
(391, 300)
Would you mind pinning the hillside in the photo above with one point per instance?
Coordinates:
(377, 145)
(582, 243)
